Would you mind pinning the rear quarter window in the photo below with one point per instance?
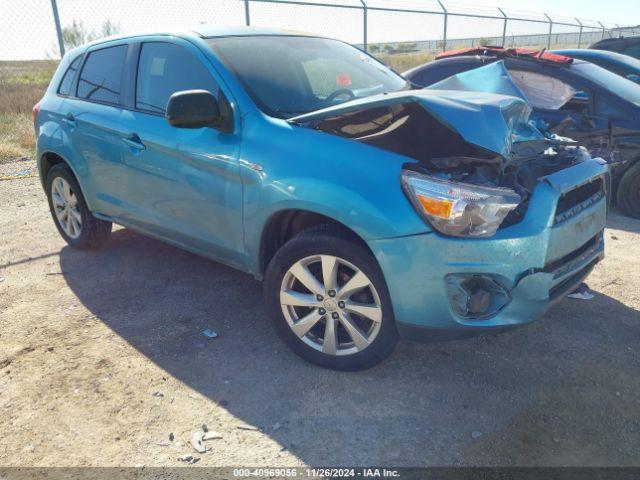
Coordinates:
(101, 76)
(67, 79)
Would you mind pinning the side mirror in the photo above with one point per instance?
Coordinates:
(193, 109)
(634, 77)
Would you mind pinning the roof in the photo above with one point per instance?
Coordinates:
(212, 31)
(501, 52)
(203, 31)
(594, 53)
(621, 39)
(605, 56)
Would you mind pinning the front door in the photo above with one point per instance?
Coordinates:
(184, 183)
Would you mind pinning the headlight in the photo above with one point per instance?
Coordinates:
(459, 209)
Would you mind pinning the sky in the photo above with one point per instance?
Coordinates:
(27, 30)
(615, 11)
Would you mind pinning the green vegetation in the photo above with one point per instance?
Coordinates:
(76, 34)
(402, 62)
(407, 47)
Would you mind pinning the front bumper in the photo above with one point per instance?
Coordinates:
(536, 262)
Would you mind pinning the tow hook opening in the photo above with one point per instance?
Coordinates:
(475, 296)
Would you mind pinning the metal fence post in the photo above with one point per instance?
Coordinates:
(56, 19)
(603, 28)
(444, 33)
(247, 18)
(364, 25)
(579, 34)
(504, 27)
(550, 31)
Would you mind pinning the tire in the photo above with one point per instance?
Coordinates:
(628, 195)
(89, 231)
(375, 335)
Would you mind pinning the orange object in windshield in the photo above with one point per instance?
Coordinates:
(343, 80)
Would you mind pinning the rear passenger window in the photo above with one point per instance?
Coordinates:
(101, 75)
(67, 78)
(166, 68)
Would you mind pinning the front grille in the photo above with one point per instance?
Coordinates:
(567, 263)
(574, 201)
(566, 285)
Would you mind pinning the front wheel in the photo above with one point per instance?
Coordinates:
(329, 302)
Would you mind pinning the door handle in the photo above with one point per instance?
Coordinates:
(69, 120)
(134, 142)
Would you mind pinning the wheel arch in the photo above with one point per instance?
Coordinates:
(47, 160)
(283, 225)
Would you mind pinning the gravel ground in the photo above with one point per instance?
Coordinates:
(102, 358)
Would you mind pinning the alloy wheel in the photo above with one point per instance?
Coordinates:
(331, 305)
(65, 205)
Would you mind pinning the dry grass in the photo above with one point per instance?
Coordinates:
(17, 138)
(22, 84)
(402, 62)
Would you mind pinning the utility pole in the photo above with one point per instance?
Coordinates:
(56, 19)
(444, 33)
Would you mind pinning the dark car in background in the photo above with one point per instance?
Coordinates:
(627, 45)
(623, 65)
(574, 98)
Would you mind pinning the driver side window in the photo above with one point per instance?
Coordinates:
(549, 93)
(166, 68)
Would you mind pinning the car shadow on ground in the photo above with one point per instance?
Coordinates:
(562, 391)
(619, 221)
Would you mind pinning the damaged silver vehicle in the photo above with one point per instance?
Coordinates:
(372, 211)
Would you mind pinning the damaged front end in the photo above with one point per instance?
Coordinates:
(476, 157)
(477, 169)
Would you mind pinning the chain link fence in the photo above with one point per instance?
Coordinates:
(43, 29)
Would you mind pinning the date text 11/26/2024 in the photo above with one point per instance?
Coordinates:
(316, 472)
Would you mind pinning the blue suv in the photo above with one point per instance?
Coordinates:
(371, 210)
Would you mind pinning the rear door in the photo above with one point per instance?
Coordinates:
(182, 184)
(91, 118)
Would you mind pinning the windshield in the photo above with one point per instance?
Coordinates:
(620, 86)
(292, 75)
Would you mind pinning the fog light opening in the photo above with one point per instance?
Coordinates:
(475, 296)
(478, 302)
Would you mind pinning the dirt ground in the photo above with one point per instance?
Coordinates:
(102, 358)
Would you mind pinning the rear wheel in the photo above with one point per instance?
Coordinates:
(329, 301)
(628, 196)
(70, 213)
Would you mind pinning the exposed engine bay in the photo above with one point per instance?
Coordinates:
(409, 129)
